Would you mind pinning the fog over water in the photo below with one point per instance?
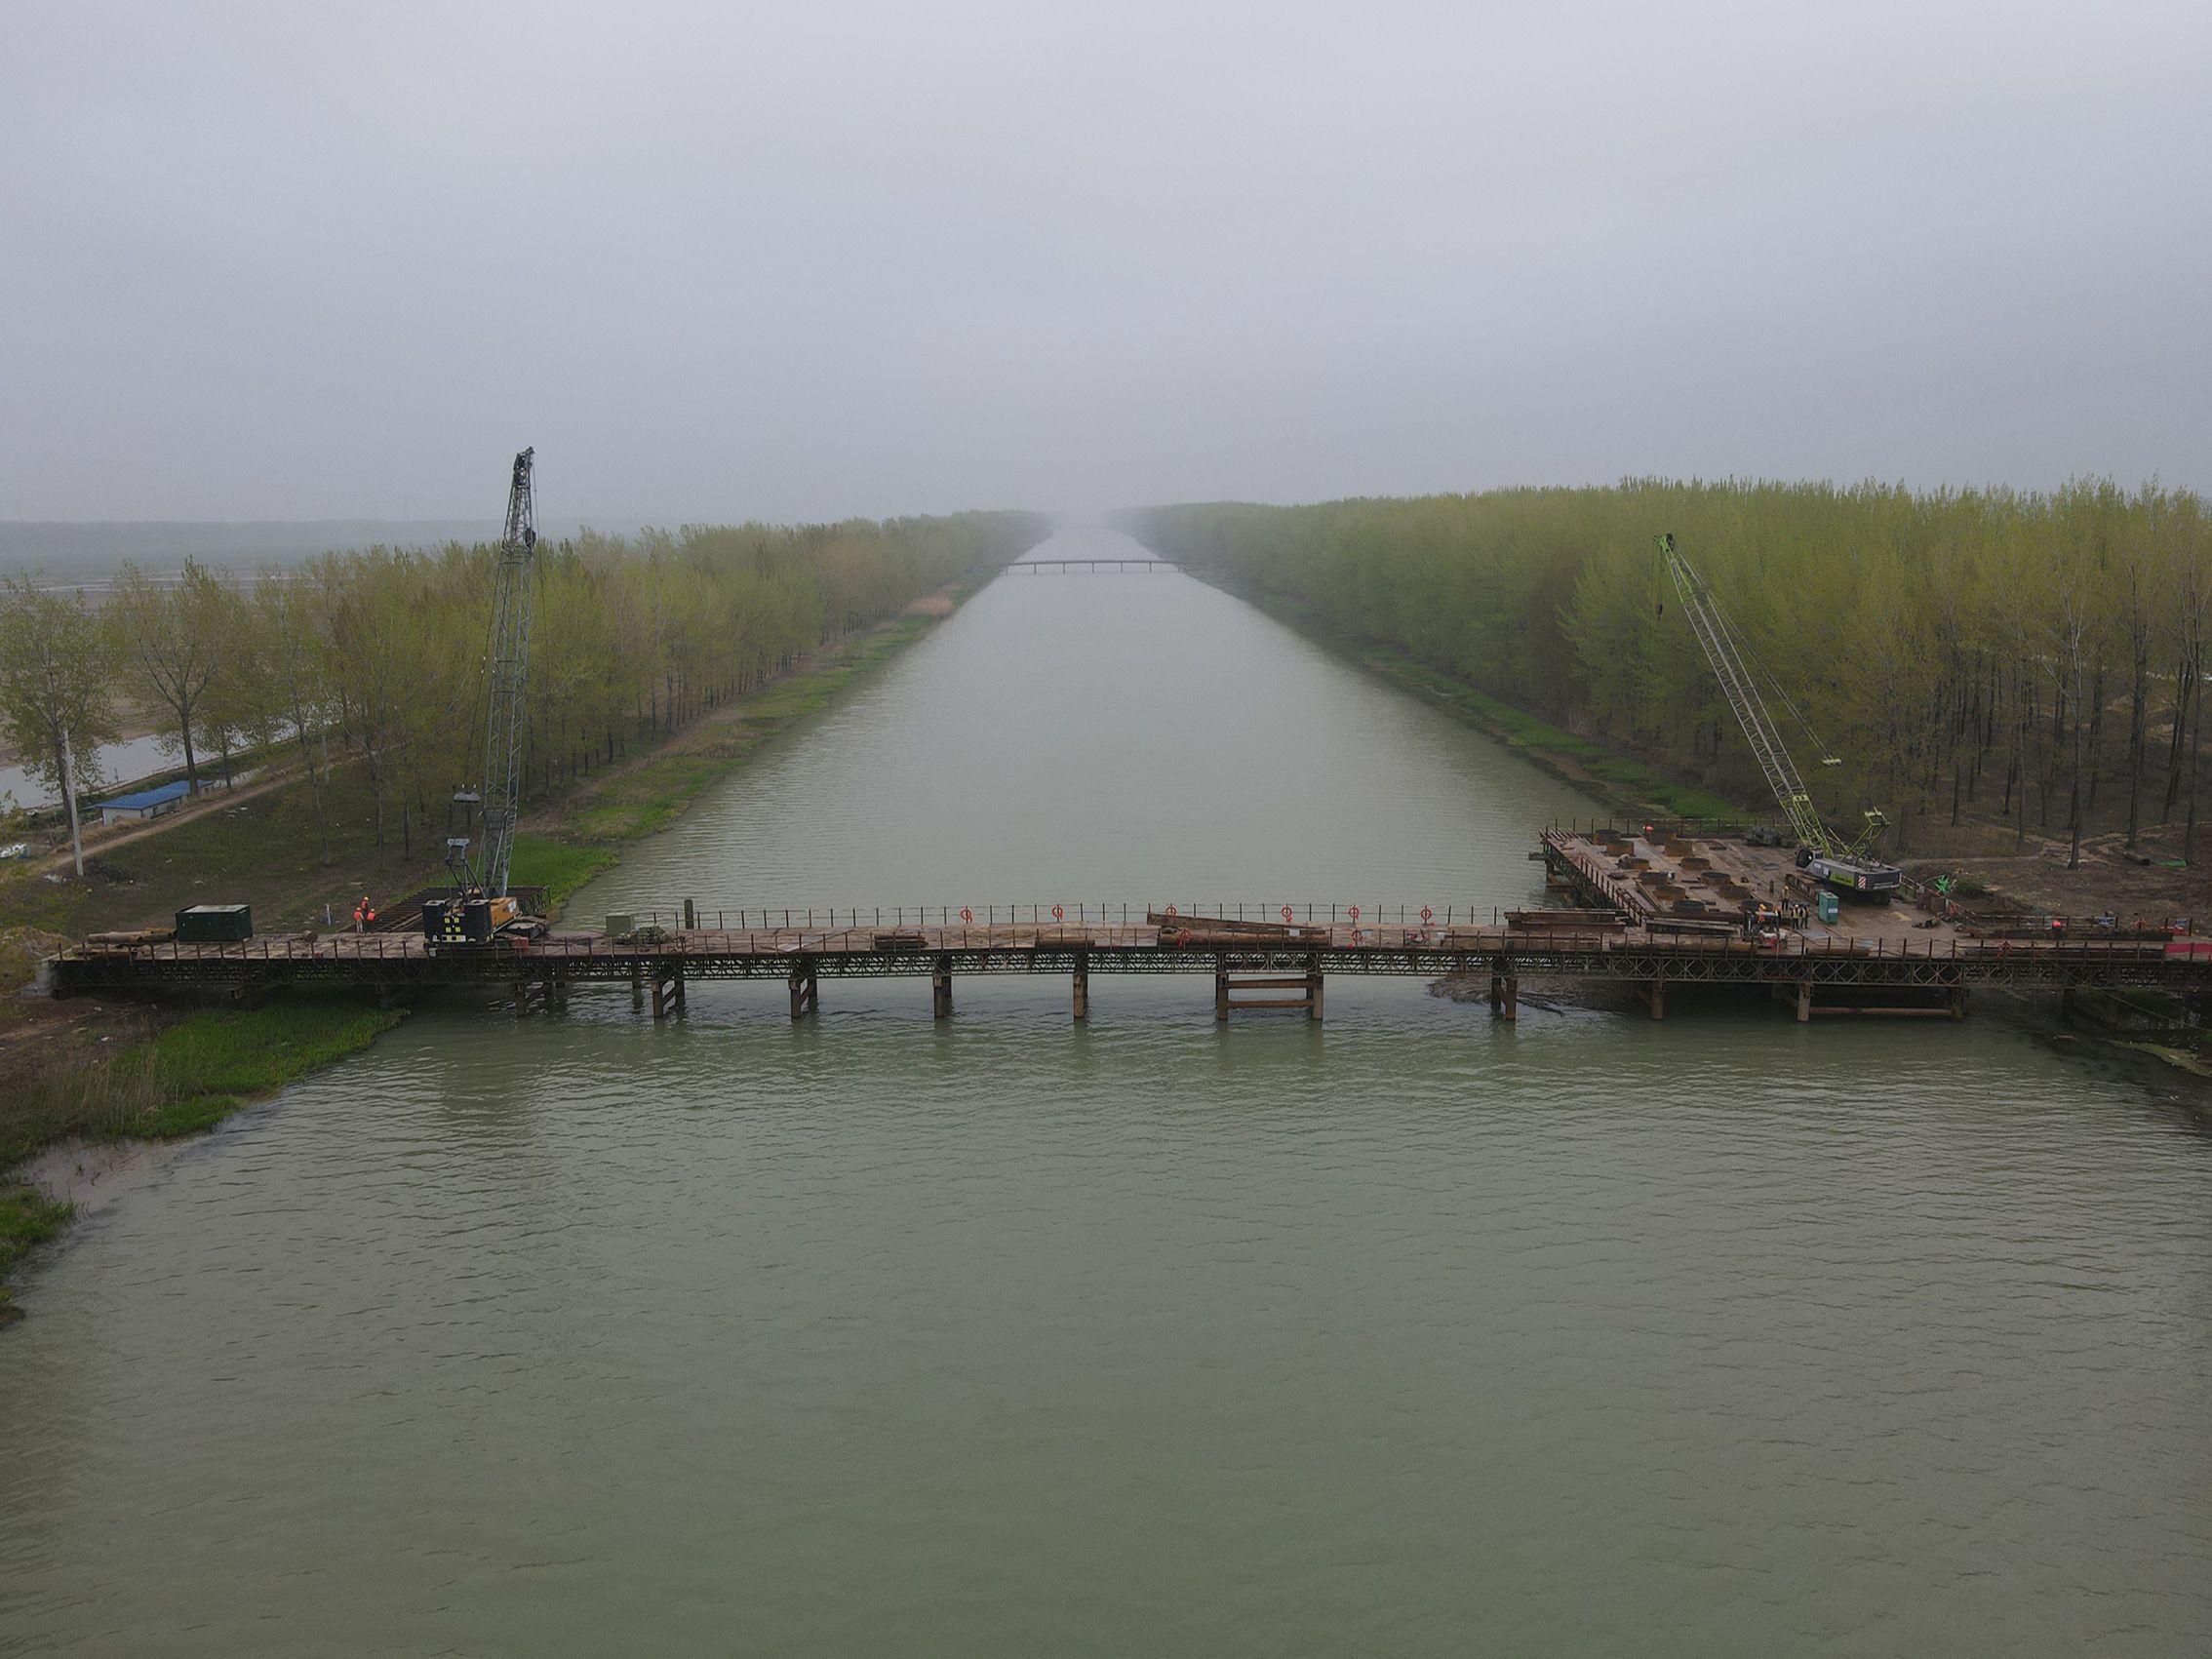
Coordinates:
(276, 261)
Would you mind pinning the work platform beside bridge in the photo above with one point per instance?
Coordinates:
(1286, 952)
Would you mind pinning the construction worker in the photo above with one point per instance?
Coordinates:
(364, 913)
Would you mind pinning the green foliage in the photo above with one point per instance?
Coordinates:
(1629, 782)
(1940, 645)
(560, 867)
(181, 1081)
(364, 674)
(26, 1220)
(209, 1064)
(55, 670)
(652, 795)
(172, 640)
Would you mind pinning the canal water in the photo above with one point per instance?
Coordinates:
(119, 764)
(1413, 1333)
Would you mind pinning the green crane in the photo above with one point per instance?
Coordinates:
(1846, 865)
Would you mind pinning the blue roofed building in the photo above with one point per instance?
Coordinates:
(144, 804)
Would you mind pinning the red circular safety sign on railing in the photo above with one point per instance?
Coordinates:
(1358, 937)
(1059, 915)
(966, 914)
(1354, 913)
(1169, 911)
(1288, 913)
(1428, 915)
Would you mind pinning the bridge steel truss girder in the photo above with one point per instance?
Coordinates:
(1550, 960)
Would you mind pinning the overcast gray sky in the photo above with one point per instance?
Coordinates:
(807, 260)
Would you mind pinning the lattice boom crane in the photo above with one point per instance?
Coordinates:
(480, 907)
(1846, 865)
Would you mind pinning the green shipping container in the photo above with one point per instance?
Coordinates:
(214, 924)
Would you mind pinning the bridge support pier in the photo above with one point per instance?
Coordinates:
(1804, 1001)
(1082, 988)
(1505, 991)
(1654, 997)
(805, 990)
(1308, 985)
(637, 989)
(542, 994)
(940, 990)
(667, 995)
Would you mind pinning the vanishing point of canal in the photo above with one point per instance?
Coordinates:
(1411, 1333)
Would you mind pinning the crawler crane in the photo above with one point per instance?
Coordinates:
(1847, 865)
(480, 909)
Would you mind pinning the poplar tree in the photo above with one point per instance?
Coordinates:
(56, 684)
(169, 638)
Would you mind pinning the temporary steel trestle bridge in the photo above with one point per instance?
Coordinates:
(1107, 562)
(1294, 957)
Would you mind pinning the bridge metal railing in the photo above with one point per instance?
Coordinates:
(1044, 913)
(818, 931)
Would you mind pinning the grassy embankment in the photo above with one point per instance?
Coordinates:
(132, 1072)
(138, 1079)
(1629, 785)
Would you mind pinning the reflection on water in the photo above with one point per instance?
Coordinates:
(1409, 1334)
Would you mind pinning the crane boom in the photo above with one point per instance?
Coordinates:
(1750, 707)
(510, 676)
(479, 908)
(1827, 855)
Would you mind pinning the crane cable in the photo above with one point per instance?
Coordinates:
(1823, 752)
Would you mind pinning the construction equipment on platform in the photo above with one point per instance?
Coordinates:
(1847, 865)
(480, 908)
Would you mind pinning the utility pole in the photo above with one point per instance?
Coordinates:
(70, 794)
